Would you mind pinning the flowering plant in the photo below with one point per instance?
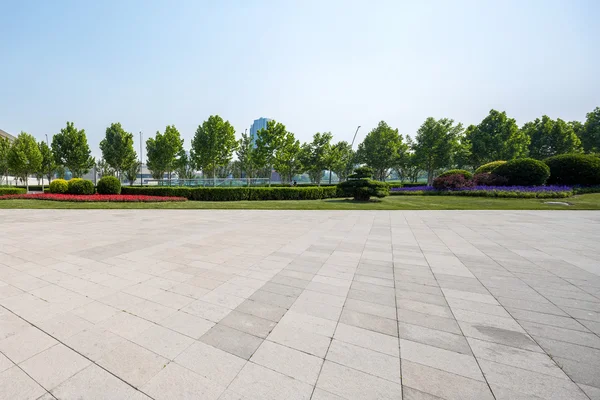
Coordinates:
(92, 197)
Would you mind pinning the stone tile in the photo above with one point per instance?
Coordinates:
(412, 394)
(54, 366)
(259, 383)
(232, 341)
(317, 309)
(530, 383)
(592, 392)
(429, 321)
(579, 372)
(208, 311)
(214, 364)
(5, 363)
(95, 312)
(293, 363)
(386, 299)
(370, 322)
(546, 319)
(96, 384)
(443, 384)
(320, 394)
(367, 339)
(565, 335)
(434, 337)
(320, 326)
(371, 308)
(317, 297)
(95, 342)
(300, 339)
(125, 325)
(248, 323)
(175, 382)
(133, 363)
(163, 341)
(26, 343)
(422, 297)
(349, 383)
(187, 324)
(262, 310)
(16, 385)
(273, 299)
(365, 360)
(581, 354)
(63, 326)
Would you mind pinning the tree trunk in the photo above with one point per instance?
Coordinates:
(330, 176)
(429, 177)
(27, 181)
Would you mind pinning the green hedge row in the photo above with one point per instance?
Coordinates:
(12, 190)
(506, 194)
(237, 193)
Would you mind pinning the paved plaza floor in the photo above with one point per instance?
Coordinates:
(323, 305)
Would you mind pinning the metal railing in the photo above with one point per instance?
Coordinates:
(217, 182)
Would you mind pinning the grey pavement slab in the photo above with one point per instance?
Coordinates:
(323, 305)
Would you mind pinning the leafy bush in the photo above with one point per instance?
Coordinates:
(59, 186)
(362, 172)
(238, 193)
(489, 167)
(466, 174)
(489, 179)
(80, 186)
(451, 182)
(109, 185)
(362, 189)
(524, 172)
(11, 190)
(574, 169)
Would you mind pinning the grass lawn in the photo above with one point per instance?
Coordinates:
(581, 202)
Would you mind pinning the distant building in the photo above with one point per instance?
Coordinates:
(257, 125)
(7, 135)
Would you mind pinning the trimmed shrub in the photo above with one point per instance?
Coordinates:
(80, 186)
(489, 167)
(238, 193)
(466, 174)
(524, 172)
(363, 189)
(11, 190)
(362, 172)
(574, 169)
(109, 185)
(59, 186)
(489, 179)
(451, 182)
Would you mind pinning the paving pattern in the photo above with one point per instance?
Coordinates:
(323, 305)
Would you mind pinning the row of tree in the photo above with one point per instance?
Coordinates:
(438, 145)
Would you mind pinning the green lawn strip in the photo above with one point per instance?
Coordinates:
(579, 202)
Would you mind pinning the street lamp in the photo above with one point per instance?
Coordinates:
(354, 138)
(141, 162)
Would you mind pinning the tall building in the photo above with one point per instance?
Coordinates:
(257, 125)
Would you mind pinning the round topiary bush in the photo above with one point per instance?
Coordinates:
(574, 169)
(489, 167)
(361, 187)
(109, 185)
(466, 174)
(59, 186)
(451, 182)
(81, 186)
(524, 172)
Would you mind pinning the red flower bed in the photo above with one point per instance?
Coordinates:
(122, 198)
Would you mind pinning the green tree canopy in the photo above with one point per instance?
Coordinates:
(341, 160)
(117, 148)
(590, 136)
(185, 166)
(4, 149)
(287, 158)
(435, 144)
(381, 149)
(497, 137)
(70, 149)
(48, 166)
(213, 144)
(246, 155)
(548, 138)
(267, 142)
(315, 156)
(132, 170)
(162, 150)
(24, 157)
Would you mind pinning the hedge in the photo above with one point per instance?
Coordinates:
(524, 172)
(59, 186)
(574, 169)
(466, 174)
(489, 167)
(109, 185)
(507, 194)
(81, 186)
(237, 193)
(12, 190)
(363, 189)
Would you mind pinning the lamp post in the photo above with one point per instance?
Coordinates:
(49, 172)
(354, 138)
(141, 162)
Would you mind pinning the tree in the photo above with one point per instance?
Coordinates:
(497, 137)
(48, 166)
(246, 155)
(184, 166)
(4, 150)
(70, 149)
(549, 138)
(314, 156)
(24, 157)
(590, 136)
(117, 148)
(161, 152)
(213, 144)
(236, 169)
(435, 144)
(381, 149)
(104, 169)
(132, 170)
(287, 160)
(267, 142)
(341, 160)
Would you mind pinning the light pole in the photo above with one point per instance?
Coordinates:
(354, 138)
(141, 162)
(49, 172)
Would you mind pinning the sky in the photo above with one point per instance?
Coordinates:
(314, 65)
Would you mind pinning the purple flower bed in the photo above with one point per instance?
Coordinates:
(528, 189)
(526, 192)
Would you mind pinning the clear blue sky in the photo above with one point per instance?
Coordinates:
(323, 65)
